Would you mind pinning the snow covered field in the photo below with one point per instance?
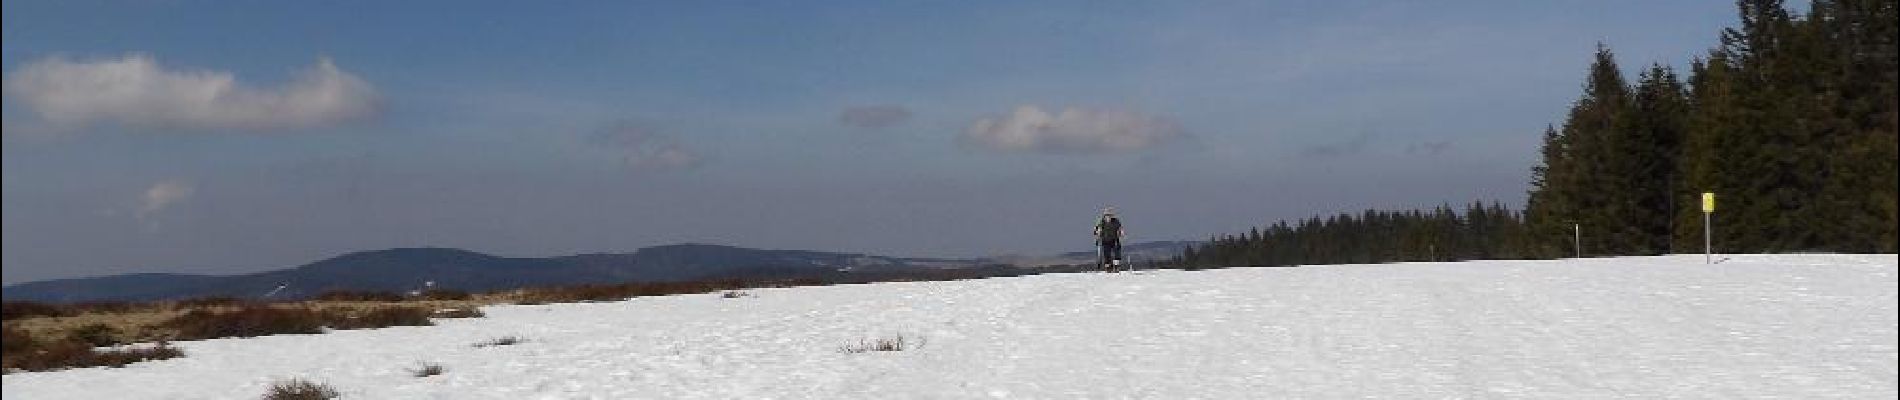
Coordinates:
(1795, 326)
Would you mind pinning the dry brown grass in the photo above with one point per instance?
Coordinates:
(470, 312)
(379, 318)
(246, 322)
(617, 292)
(44, 336)
(110, 323)
(23, 352)
(125, 327)
(97, 335)
(147, 322)
(62, 355)
(360, 295)
(446, 295)
(13, 310)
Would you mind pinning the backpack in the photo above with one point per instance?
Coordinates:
(1111, 229)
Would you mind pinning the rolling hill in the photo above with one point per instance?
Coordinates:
(405, 269)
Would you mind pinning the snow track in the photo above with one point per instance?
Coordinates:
(1794, 326)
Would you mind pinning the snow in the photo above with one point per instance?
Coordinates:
(1766, 326)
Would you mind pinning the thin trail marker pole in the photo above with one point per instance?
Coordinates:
(1708, 229)
(1578, 228)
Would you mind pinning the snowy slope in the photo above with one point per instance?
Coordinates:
(1798, 326)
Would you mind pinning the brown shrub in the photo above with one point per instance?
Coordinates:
(14, 340)
(250, 321)
(94, 334)
(214, 301)
(445, 295)
(13, 310)
(426, 370)
(626, 291)
(893, 343)
(43, 356)
(298, 389)
(359, 295)
(466, 312)
(379, 317)
(501, 341)
(108, 307)
(120, 357)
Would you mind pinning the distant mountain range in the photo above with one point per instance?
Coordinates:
(405, 269)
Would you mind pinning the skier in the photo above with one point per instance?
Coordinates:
(1108, 235)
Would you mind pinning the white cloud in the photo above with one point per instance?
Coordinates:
(646, 149)
(135, 90)
(162, 195)
(1071, 131)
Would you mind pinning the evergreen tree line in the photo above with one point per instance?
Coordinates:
(1480, 231)
(1791, 121)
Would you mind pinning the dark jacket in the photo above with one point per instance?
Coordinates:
(1108, 229)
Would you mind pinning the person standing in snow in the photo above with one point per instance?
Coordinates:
(1108, 235)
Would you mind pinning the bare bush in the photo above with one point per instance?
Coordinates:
(299, 389)
(13, 339)
(109, 307)
(445, 295)
(214, 301)
(625, 291)
(95, 334)
(13, 310)
(501, 341)
(120, 357)
(379, 317)
(359, 295)
(465, 312)
(426, 370)
(891, 343)
(251, 321)
(24, 353)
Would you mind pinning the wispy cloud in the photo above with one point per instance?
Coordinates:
(1352, 145)
(136, 90)
(1431, 148)
(873, 117)
(1071, 131)
(644, 148)
(162, 195)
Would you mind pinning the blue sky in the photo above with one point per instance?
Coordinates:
(242, 136)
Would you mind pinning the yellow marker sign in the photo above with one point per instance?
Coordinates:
(1708, 202)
